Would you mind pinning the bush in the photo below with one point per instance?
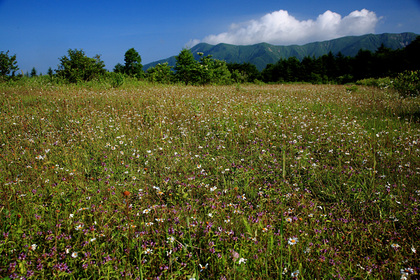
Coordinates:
(160, 73)
(117, 79)
(382, 83)
(407, 83)
(78, 67)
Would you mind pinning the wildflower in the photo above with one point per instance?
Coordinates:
(148, 224)
(80, 226)
(74, 255)
(242, 260)
(213, 189)
(413, 249)
(203, 267)
(289, 220)
(71, 216)
(295, 274)
(395, 245)
(148, 251)
(210, 215)
(93, 239)
(146, 211)
(265, 229)
(293, 240)
(307, 250)
(126, 193)
(171, 239)
(33, 247)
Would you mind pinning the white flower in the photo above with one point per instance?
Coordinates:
(79, 227)
(293, 240)
(242, 260)
(203, 267)
(33, 247)
(413, 249)
(295, 273)
(395, 245)
(148, 251)
(93, 239)
(74, 255)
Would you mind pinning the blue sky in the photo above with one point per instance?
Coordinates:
(40, 32)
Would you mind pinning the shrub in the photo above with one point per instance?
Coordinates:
(160, 73)
(407, 83)
(117, 79)
(78, 67)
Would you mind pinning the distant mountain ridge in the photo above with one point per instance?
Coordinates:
(263, 53)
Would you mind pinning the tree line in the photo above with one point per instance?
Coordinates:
(76, 67)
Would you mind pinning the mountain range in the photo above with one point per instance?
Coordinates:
(262, 54)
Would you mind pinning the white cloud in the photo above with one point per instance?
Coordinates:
(281, 28)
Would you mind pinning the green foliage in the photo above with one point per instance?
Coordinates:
(243, 72)
(116, 79)
(382, 83)
(186, 68)
(213, 71)
(33, 72)
(407, 83)
(205, 71)
(133, 66)
(8, 65)
(161, 73)
(119, 68)
(77, 67)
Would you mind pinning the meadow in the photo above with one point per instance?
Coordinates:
(213, 182)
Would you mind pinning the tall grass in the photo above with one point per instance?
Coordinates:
(175, 182)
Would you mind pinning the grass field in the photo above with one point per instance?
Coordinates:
(234, 182)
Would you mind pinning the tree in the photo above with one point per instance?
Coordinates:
(133, 66)
(244, 73)
(213, 71)
(33, 72)
(78, 67)
(186, 67)
(50, 72)
(160, 73)
(119, 68)
(8, 65)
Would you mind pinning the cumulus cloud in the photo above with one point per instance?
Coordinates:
(281, 28)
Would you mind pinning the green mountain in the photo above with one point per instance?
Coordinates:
(262, 54)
